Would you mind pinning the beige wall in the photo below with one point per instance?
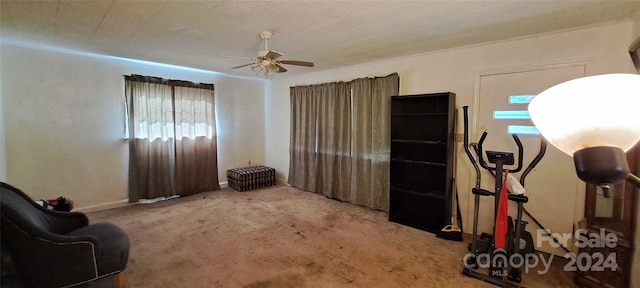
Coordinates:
(602, 49)
(636, 23)
(3, 166)
(64, 129)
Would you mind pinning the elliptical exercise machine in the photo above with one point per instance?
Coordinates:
(507, 251)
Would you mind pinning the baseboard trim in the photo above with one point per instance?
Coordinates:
(117, 204)
(105, 206)
(282, 181)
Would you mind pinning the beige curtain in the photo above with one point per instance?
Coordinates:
(339, 145)
(302, 142)
(370, 146)
(159, 165)
(333, 141)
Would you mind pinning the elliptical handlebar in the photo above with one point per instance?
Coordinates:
(520, 153)
(480, 152)
(466, 145)
(534, 162)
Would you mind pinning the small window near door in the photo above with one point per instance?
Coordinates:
(519, 121)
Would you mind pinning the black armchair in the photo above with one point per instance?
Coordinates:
(59, 249)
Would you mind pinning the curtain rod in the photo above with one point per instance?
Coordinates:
(171, 82)
(375, 77)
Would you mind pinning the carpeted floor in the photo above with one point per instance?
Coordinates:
(284, 237)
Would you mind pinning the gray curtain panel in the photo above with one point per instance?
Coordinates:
(339, 145)
(196, 159)
(151, 145)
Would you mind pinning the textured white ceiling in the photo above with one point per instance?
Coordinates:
(329, 33)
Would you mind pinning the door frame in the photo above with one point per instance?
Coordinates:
(579, 206)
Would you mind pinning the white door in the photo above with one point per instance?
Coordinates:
(556, 195)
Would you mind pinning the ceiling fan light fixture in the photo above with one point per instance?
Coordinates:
(265, 68)
(260, 70)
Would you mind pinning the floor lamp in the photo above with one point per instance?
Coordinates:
(596, 120)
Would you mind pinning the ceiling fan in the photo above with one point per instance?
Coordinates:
(267, 60)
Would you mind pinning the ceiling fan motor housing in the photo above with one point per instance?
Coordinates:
(266, 35)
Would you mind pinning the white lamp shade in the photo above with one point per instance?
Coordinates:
(602, 110)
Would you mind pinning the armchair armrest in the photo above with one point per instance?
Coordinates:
(57, 222)
(64, 222)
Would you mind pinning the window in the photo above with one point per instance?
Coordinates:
(339, 144)
(167, 111)
(517, 116)
(172, 147)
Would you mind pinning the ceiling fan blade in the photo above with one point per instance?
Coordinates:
(245, 65)
(272, 55)
(299, 63)
(279, 68)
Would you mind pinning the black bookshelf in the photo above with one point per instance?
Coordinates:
(422, 147)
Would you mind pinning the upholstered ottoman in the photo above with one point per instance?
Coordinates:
(249, 178)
